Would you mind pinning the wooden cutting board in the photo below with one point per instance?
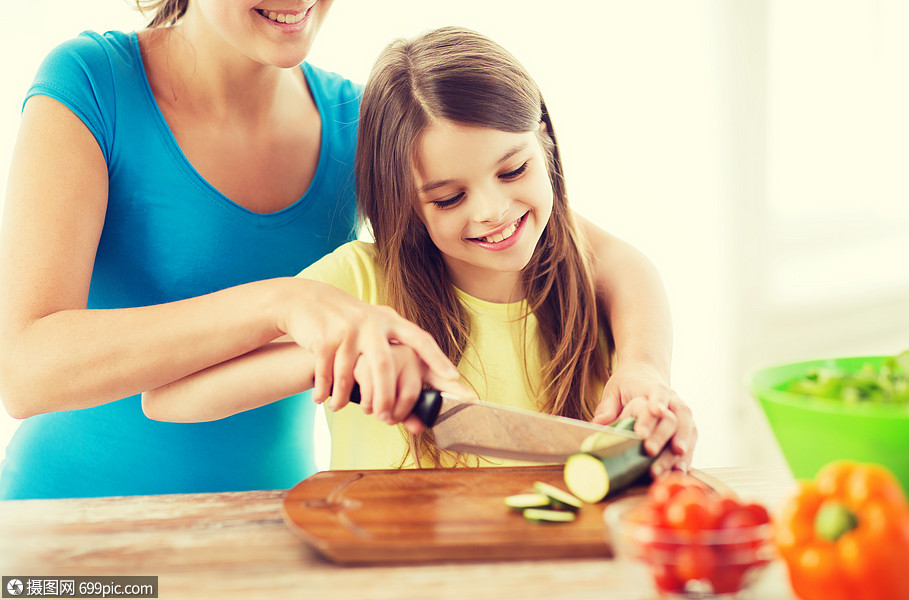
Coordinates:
(424, 515)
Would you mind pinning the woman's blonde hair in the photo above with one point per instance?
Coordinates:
(458, 75)
(163, 12)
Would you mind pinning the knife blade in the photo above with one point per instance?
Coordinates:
(487, 429)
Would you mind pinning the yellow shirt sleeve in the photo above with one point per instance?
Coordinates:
(352, 268)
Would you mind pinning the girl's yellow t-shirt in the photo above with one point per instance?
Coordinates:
(501, 363)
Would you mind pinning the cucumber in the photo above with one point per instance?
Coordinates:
(591, 477)
(604, 439)
(523, 501)
(548, 515)
(558, 497)
(626, 423)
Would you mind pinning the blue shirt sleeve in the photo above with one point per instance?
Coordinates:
(78, 74)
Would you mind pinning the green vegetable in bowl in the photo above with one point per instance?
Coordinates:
(887, 384)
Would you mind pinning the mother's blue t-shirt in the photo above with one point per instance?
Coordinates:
(169, 235)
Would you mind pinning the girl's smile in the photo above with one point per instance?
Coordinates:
(502, 239)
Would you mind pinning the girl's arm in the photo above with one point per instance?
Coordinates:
(277, 370)
(634, 301)
(56, 355)
(270, 372)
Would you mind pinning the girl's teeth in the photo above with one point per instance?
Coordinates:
(502, 235)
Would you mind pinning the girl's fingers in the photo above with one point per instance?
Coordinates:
(414, 425)
(410, 383)
(665, 462)
(686, 437)
(608, 409)
(384, 379)
(644, 420)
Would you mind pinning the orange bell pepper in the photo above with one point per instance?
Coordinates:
(845, 535)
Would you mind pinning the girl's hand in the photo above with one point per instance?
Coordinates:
(344, 333)
(637, 390)
(409, 374)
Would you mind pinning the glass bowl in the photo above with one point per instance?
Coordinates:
(713, 563)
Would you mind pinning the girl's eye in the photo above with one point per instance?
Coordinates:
(514, 174)
(449, 202)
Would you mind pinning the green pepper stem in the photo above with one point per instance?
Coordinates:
(833, 519)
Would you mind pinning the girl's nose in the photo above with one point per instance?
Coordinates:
(492, 206)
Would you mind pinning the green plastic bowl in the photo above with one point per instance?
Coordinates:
(813, 431)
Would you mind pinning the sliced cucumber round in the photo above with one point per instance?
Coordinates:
(559, 497)
(548, 515)
(523, 501)
(587, 478)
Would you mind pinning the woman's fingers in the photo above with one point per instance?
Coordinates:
(421, 342)
(344, 331)
(344, 361)
(452, 385)
(323, 367)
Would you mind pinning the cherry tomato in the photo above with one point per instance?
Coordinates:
(695, 562)
(728, 579)
(665, 578)
(663, 489)
(688, 511)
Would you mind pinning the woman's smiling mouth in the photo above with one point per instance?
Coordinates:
(288, 18)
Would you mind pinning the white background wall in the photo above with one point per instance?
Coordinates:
(755, 151)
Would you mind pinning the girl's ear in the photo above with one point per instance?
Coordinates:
(542, 125)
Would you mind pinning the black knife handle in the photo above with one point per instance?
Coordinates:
(427, 407)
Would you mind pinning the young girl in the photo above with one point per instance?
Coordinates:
(460, 179)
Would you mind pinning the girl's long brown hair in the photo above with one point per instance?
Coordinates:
(461, 76)
(164, 12)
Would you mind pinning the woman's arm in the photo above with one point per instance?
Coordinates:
(634, 300)
(56, 355)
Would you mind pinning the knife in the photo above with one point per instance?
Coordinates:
(487, 429)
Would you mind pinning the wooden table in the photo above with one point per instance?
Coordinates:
(236, 545)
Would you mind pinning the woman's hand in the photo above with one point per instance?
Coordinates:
(344, 334)
(637, 390)
(409, 373)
